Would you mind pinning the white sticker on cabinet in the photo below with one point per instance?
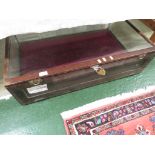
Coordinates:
(37, 89)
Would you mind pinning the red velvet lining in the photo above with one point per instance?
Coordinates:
(47, 53)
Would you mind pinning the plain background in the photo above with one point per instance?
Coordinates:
(23, 16)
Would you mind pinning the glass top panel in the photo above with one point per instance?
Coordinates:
(31, 52)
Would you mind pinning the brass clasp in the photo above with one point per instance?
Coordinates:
(99, 70)
(35, 82)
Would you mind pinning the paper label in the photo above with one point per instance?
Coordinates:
(37, 89)
(43, 73)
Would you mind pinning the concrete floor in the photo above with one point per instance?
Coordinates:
(44, 117)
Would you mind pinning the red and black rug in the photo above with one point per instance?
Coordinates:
(126, 114)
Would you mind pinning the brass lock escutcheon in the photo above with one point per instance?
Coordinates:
(35, 82)
(99, 70)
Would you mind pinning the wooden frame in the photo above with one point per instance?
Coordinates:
(150, 23)
(16, 85)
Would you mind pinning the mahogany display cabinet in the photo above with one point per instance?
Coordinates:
(42, 65)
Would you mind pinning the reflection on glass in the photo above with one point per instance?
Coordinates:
(31, 52)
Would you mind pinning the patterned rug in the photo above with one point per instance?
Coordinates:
(126, 114)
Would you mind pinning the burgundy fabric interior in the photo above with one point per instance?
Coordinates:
(47, 53)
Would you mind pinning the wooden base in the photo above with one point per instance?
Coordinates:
(77, 80)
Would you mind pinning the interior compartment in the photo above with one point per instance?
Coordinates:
(62, 50)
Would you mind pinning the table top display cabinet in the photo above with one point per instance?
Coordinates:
(42, 65)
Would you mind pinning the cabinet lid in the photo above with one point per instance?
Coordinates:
(29, 56)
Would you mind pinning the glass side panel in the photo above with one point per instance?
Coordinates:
(142, 27)
(2, 53)
(31, 52)
(128, 37)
